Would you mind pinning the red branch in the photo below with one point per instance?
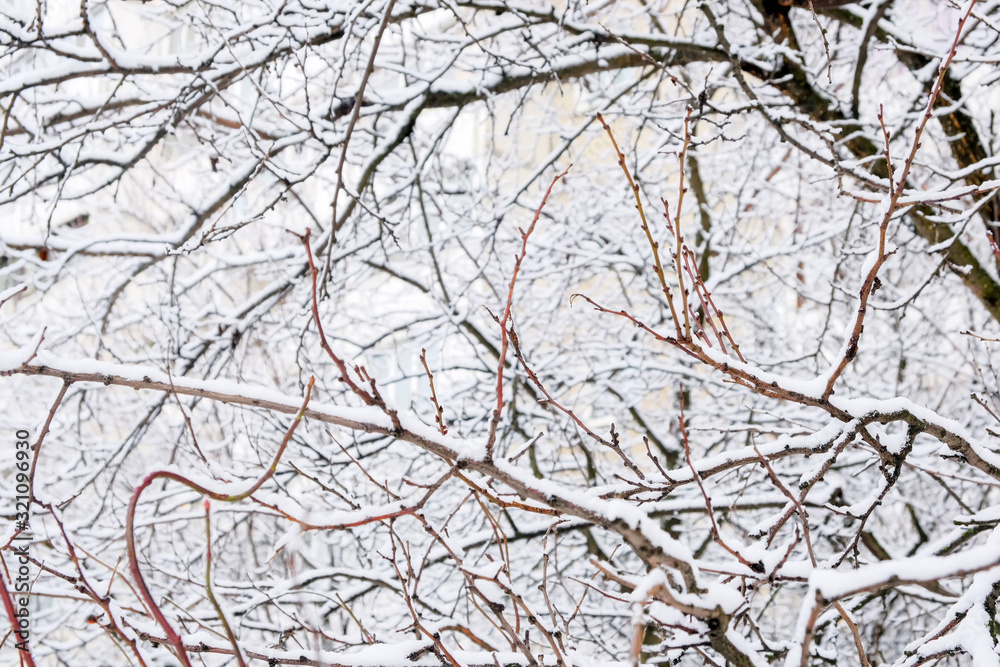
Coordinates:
(133, 561)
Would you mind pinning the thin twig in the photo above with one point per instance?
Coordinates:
(438, 412)
(895, 191)
(172, 637)
(208, 586)
(504, 339)
(359, 97)
(654, 245)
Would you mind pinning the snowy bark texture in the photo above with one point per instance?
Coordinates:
(329, 357)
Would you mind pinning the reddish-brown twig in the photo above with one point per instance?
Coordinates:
(8, 605)
(438, 412)
(41, 438)
(895, 191)
(612, 444)
(678, 239)
(404, 586)
(345, 375)
(504, 340)
(681, 255)
(993, 244)
(82, 584)
(711, 311)
(756, 567)
(654, 245)
(184, 414)
(172, 637)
